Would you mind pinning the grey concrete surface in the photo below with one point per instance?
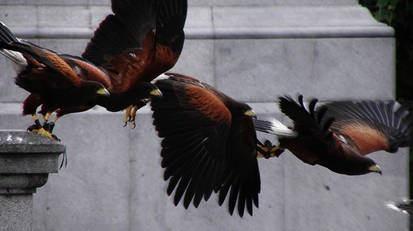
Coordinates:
(327, 48)
(324, 70)
(16, 213)
(22, 152)
(26, 160)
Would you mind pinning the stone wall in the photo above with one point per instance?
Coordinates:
(251, 50)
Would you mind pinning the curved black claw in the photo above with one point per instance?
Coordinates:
(56, 138)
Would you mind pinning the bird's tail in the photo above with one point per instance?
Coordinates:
(306, 121)
(275, 127)
(7, 41)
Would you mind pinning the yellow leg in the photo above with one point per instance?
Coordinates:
(127, 115)
(47, 116)
(133, 115)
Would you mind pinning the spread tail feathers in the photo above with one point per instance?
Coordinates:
(274, 127)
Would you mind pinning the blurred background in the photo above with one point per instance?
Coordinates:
(254, 51)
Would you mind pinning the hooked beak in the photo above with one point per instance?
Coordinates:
(156, 92)
(103, 91)
(375, 168)
(250, 113)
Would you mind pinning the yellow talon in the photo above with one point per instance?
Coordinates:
(275, 148)
(272, 151)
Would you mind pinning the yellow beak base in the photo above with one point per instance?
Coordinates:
(103, 91)
(156, 92)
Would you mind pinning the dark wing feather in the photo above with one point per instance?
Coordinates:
(170, 24)
(194, 125)
(168, 39)
(242, 173)
(372, 125)
(111, 39)
(123, 32)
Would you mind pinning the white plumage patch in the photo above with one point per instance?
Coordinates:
(161, 76)
(281, 130)
(19, 62)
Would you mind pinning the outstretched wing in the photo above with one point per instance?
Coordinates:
(124, 41)
(205, 146)
(372, 125)
(169, 36)
(194, 125)
(140, 41)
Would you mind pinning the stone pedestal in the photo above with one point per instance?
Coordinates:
(26, 159)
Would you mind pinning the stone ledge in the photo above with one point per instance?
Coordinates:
(217, 22)
(229, 33)
(19, 141)
(24, 152)
(191, 2)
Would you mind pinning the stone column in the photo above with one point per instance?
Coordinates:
(26, 159)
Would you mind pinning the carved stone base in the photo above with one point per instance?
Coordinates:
(26, 159)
